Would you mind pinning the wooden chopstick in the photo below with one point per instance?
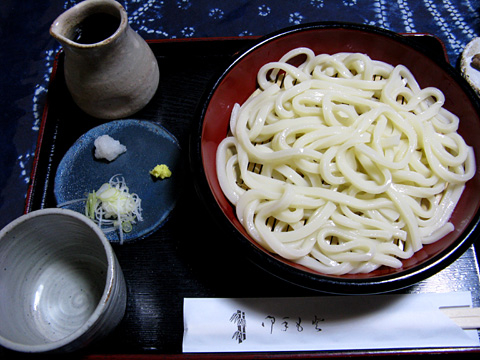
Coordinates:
(465, 317)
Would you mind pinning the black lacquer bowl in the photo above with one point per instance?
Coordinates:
(238, 81)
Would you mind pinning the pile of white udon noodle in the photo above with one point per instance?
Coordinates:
(343, 164)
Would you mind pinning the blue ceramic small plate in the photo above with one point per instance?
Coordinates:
(148, 145)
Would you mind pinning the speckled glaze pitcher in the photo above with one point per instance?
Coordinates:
(110, 70)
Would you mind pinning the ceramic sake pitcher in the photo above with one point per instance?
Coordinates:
(110, 71)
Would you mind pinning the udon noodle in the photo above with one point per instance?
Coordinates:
(343, 164)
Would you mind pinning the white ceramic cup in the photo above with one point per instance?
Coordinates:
(61, 286)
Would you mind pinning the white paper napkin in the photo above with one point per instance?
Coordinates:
(324, 323)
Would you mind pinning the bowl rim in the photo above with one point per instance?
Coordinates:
(316, 281)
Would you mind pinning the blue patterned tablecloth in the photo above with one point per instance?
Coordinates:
(27, 51)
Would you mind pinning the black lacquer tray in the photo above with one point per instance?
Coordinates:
(189, 256)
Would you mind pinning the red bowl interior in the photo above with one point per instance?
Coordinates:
(239, 81)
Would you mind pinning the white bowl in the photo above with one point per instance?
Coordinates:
(61, 286)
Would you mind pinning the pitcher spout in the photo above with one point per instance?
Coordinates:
(90, 23)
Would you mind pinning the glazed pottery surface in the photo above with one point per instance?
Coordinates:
(61, 286)
(110, 71)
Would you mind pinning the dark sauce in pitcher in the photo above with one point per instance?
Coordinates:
(95, 28)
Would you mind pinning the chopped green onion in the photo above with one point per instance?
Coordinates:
(113, 207)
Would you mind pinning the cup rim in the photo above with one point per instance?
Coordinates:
(102, 303)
